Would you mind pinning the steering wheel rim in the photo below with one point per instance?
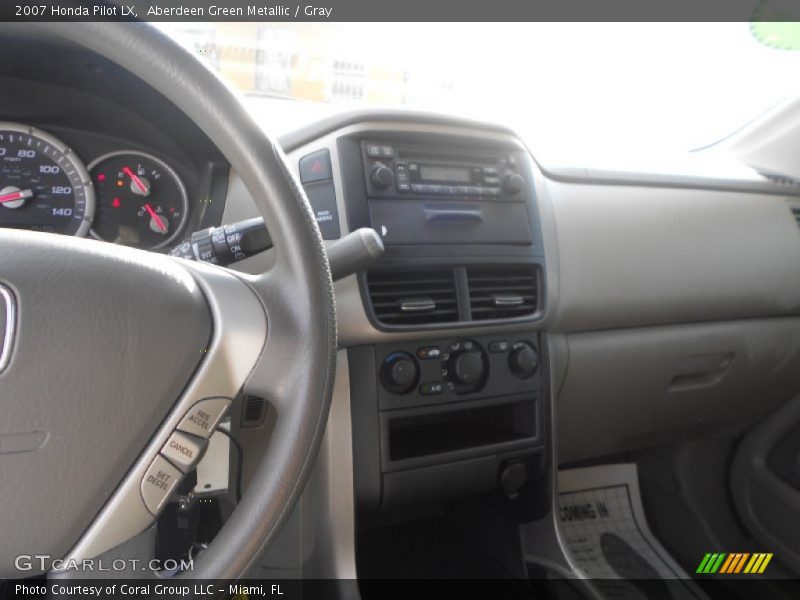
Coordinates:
(295, 371)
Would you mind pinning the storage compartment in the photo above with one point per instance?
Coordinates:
(450, 222)
(440, 432)
(638, 388)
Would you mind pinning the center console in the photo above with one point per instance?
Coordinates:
(450, 399)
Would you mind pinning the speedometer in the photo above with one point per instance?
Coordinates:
(43, 185)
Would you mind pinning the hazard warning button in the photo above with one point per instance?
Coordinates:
(316, 167)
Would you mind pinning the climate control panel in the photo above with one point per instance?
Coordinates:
(448, 370)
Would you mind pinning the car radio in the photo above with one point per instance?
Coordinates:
(402, 170)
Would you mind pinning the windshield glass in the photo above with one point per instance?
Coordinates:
(567, 88)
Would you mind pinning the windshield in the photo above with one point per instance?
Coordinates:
(566, 88)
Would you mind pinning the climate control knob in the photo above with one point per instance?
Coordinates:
(523, 360)
(382, 177)
(400, 372)
(468, 367)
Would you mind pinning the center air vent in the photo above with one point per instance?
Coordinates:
(781, 179)
(796, 212)
(503, 292)
(413, 298)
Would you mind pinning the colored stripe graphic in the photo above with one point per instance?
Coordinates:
(734, 563)
(763, 566)
(703, 563)
(755, 562)
(740, 563)
(728, 562)
(717, 564)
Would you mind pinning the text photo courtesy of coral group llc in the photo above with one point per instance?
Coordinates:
(370, 299)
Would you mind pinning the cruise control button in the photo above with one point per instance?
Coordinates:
(202, 418)
(158, 483)
(183, 451)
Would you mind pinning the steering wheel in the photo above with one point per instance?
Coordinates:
(115, 353)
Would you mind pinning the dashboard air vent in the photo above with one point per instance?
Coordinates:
(502, 292)
(780, 179)
(413, 297)
(796, 212)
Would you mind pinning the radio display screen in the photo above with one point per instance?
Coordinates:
(450, 174)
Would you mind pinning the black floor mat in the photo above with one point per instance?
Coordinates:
(427, 548)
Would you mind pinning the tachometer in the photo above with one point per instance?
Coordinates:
(43, 185)
(141, 201)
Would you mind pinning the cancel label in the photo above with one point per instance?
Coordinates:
(175, 444)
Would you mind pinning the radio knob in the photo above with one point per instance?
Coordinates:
(513, 183)
(382, 177)
(523, 361)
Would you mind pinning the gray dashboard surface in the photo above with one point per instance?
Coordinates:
(637, 256)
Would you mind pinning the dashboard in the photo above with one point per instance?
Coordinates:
(520, 314)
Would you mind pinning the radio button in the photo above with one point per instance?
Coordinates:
(417, 188)
(490, 170)
(491, 180)
(498, 346)
(401, 176)
(387, 151)
(373, 150)
(403, 187)
(429, 352)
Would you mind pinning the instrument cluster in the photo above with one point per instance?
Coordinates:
(125, 197)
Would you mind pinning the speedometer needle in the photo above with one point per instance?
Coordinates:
(16, 195)
(154, 215)
(143, 189)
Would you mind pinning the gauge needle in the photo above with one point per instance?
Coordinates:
(18, 195)
(136, 181)
(155, 217)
